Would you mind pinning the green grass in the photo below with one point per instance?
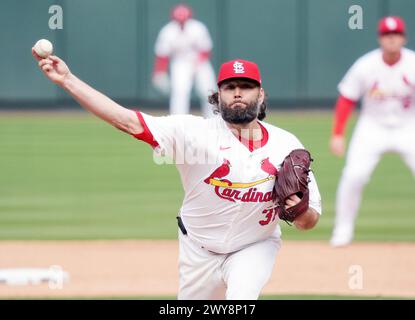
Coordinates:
(74, 177)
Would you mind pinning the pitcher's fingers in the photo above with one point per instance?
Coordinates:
(44, 61)
(47, 68)
(294, 198)
(55, 59)
(37, 57)
(289, 203)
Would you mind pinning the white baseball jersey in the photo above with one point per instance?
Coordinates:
(184, 44)
(388, 92)
(229, 190)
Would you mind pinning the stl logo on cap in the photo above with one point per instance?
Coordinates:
(238, 67)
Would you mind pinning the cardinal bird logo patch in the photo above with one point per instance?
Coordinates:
(269, 168)
(220, 172)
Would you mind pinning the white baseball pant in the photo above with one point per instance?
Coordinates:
(241, 275)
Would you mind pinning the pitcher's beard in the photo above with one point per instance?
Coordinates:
(237, 114)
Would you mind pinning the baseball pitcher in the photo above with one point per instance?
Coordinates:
(240, 176)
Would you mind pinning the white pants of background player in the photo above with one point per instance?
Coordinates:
(369, 142)
(183, 74)
(241, 275)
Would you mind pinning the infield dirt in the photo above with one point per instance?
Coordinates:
(149, 268)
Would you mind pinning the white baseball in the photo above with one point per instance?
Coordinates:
(43, 48)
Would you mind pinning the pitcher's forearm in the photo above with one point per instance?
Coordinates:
(102, 106)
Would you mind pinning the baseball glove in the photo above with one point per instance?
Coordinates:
(293, 179)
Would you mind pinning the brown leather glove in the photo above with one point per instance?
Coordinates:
(293, 179)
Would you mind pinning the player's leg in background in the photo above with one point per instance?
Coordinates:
(205, 86)
(406, 146)
(247, 271)
(366, 148)
(181, 87)
(200, 276)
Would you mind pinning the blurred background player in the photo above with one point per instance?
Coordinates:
(385, 80)
(186, 44)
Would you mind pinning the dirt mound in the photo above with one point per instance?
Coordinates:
(149, 268)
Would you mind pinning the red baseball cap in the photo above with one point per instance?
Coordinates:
(181, 13)
(239, 69)
(391, 24)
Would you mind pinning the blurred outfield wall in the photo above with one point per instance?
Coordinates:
(303, 47)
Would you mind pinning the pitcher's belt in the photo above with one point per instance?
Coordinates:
(181, 225)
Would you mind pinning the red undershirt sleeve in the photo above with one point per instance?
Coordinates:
(146, 135)
(343, 109)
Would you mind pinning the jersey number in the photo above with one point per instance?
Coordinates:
(270, 215)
